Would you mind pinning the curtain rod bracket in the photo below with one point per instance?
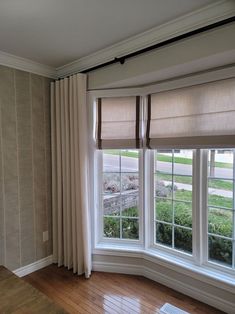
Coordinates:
(121, 60)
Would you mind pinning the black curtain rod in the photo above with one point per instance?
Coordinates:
(164, 43)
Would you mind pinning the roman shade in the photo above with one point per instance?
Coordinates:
(196, 116)
(118, 122)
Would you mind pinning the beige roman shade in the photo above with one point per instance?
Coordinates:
(196, 116)
(118, 122)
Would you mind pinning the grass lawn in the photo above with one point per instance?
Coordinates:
(188, 161)
(125, 153)
(213, 183)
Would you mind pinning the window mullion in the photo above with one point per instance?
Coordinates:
(100, 204)
(172, 200)
(149, 198)
(203, 223)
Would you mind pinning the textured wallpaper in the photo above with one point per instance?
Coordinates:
(25, 167)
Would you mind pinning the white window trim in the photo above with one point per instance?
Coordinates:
(157, 246)
(200, 268)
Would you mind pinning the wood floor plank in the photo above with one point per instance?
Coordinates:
(110, 293)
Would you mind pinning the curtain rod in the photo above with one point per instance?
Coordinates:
(164, 43)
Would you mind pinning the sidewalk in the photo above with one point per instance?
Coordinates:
(188, 187)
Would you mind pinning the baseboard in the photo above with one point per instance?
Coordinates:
(132, 269)
(118, 268)
(28, 269)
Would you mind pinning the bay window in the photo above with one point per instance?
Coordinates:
(165, 174)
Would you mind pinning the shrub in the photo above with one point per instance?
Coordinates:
(219, 223)
(220, 250)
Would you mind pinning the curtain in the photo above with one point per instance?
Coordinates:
(71, 231)
(196, 116)
(118, 122)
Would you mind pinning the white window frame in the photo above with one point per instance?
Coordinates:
(205, 247)
(101, 238)
(158, 246)
(200, 246)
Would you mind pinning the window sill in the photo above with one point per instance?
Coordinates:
(186, 267)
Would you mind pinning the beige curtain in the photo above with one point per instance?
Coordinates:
(71, 232)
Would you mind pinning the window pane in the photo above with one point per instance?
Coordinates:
(111, 160)
(129, 160)
(220, 205)
(130, 205)
(130, 181)
(173, 198)
(163, 160)
(164, 234)
(215, 199)
(220, 222)
(183, 239)
(183, 214)
(111, 227)
(121, 194)
(183, 195)
(163, 188)
(220, 250)
(111, 183)
(112, 205)
(220, 163)
(219, 184)
(130, 228)
(220, 193)
(164, 210)
(183, 162)
(181, 180)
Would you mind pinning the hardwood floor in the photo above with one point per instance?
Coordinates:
(110, 293)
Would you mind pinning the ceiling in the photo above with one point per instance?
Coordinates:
(56, 32)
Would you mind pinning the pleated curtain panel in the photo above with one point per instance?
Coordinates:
(71, 230)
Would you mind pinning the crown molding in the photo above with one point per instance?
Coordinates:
(27, 65)
(213, 13)
(207, 15)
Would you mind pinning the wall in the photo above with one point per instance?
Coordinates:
(25, 167)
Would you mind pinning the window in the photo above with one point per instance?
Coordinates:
(166, 173)
(120, 195)
(220, 207)
(173, 199)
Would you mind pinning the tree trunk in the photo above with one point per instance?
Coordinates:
(212, 164)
